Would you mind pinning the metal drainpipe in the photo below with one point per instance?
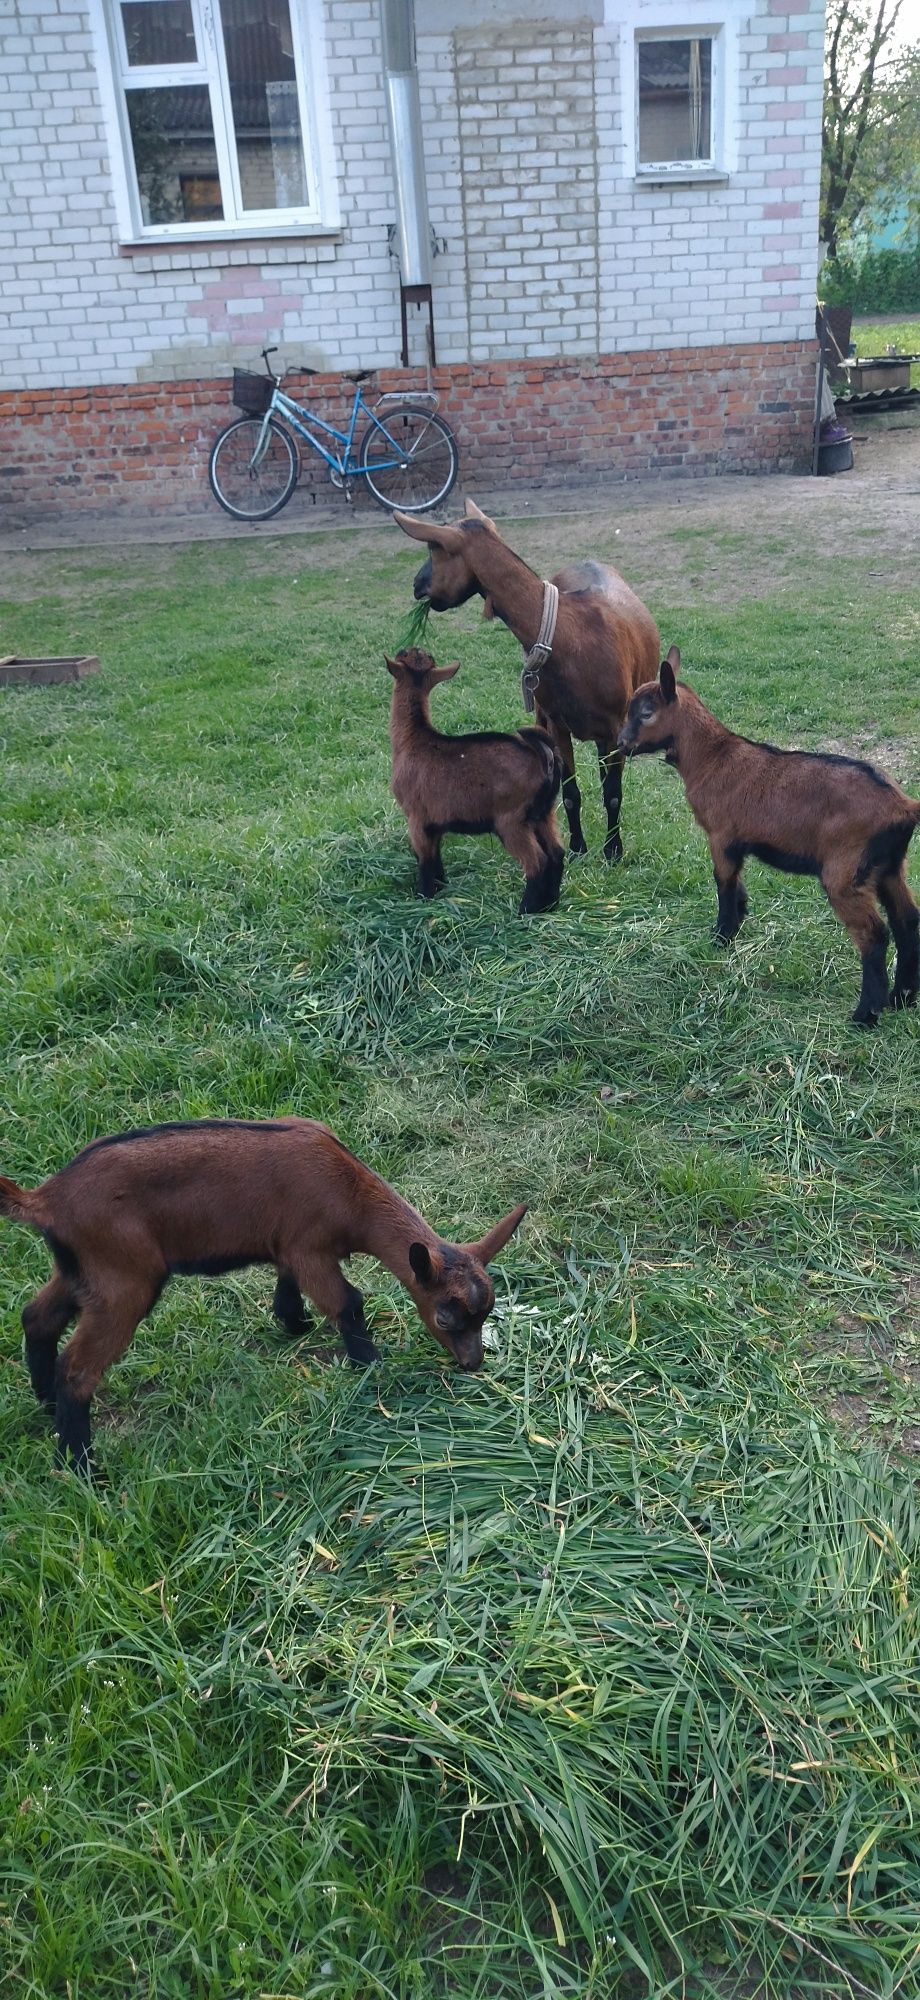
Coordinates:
(413, 231)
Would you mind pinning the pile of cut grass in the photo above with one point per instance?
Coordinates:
(594, 1674)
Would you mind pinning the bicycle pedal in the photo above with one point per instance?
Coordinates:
(336, 479)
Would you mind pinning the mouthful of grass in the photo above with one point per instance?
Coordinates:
(416, 624)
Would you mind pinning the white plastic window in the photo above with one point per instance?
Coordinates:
(677, 102)
(216, 113)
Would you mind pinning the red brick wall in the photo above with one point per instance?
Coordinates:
(143, 448)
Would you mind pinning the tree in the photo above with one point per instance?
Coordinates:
(871, 129)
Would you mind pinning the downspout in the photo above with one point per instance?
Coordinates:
(413, 230)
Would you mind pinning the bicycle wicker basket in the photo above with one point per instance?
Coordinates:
(252, 393)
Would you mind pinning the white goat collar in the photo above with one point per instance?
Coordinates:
(538, 654)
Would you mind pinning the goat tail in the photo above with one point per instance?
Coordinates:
(20, 1204)
(539, 741)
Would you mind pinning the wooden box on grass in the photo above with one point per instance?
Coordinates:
(39, 672)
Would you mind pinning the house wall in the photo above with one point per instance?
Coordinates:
(551, 248)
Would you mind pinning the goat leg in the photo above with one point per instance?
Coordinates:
(611, 766)
(328, 1289)
(873, 993)
(426, 846)
(72, 1424)
(571, 796)
(548, 837)
(856, 908)
(106, 1326)
(904, 918)
(733, 902)
(522, 842)
(288, 1308)
(44, 1319)
(353, 1328)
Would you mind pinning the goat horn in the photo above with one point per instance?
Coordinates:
(496, 1238)
(474, 513)
(448, 539)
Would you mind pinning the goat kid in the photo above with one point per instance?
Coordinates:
(131, 1211)
(487, 783)
(604, 646)
(802, 811)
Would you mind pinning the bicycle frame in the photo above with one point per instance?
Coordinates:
(298, 415)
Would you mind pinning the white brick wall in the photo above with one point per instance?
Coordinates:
(552, 247)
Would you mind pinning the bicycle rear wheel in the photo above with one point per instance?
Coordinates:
(250, 491)
(413, 462)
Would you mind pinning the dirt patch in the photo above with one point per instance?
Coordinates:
(895, 754)
(867, 1376)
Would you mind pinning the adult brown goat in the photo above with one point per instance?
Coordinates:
(485, 783)
(131, 1211)
(605, 644)
(799, 810)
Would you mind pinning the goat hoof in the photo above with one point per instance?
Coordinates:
(292, 1329)
(577, 847)
(613, 848)
(361, 1353)
(81, 1462)
(864, 1018)
(906, 997)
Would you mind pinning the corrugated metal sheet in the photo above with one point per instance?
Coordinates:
(878, 400)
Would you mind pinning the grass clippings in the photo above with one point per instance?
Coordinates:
(594, 1674)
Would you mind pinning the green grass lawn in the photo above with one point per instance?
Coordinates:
(875, 336)
(594, 1674)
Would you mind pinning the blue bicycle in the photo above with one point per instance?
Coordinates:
(407, 454)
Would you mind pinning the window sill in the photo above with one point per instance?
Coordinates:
(304, 232)
(663, 177)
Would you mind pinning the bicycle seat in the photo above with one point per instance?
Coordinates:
(359, 374)
(304, 370)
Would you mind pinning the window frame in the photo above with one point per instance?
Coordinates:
(685, 169)
(117, 76)
(674, 19)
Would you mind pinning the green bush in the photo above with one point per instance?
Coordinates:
(886, 281)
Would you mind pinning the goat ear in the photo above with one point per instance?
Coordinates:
(437, 537)
(666, 680)
(444, 673)
(474, 513)
(495, 1239)
(391, 666)
(421, 1261)
(674, 658)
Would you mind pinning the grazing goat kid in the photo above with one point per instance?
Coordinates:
(808, 813)
(472, 784)
(130, 1212)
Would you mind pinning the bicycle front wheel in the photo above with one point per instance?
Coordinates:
(252, 485)
(412, 462)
